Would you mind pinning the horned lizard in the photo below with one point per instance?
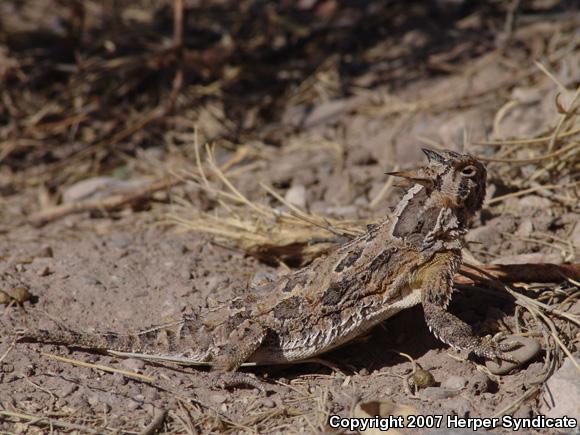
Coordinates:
(407, 259)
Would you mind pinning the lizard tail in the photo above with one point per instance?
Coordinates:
(97, 341)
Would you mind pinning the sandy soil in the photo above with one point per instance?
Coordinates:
(129, 269)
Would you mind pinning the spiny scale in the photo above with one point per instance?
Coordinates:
(407, 259)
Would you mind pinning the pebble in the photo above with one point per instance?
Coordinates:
(132, 405)
(120, 240)
(119, 379)
(437, 393)
(296, 196)
(262, 277)
(98, 187)
(524, 411)
(89, 280)
(533, 257)
(43, 271)
(134, 364)
(93, 400)
(423, 378)
(268, 403)
(7, 367)
(45, 252)
(20, 294)
(479, 383)
(561, 394)
(4, 298)
(529, 349)
(454, 382)
(459, 405)
(67, 389)
(218, 398)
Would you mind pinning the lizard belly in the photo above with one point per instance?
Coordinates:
(353, 322)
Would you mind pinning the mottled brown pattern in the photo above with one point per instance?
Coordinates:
(406, 259)
(288, 308)
(349, 260)
(412, 215)
(334, 293)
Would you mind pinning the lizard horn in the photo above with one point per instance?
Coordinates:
(433, 155)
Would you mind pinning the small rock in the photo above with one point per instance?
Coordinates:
(529, 349)
(437, 393)
(535, 257)
(133, 405)
(4, 298)
(93, 400)
(534, 201)
(20, 294)
(454, 382)
(43, 271)
(67, 389)
(562, 393)
(45, 252)
(120, 240)
(363, 372)
(262, 277)
(296, 196)
(575, 236)
(151, 395)
(459, 405)
(119, 379)
(90, 281)
(525, 229)
(185, 273)
(7, 367)
(98, 187)
(345, 211)
(29, 370)
(423, 378)
(479, 383)
(328, 112)
(133, 364)
(79, 402)
(218, 398)
(492, 231)
(524, 411)
(268, 403)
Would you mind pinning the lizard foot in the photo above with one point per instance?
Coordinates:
(227, 380)
(520, 349)
(489, 348)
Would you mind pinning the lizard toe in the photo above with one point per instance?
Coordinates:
(229, 380)
(491, 349)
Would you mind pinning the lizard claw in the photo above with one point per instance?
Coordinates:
(226, 380)
(489, 348)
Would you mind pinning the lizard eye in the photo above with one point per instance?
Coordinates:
(469, 171)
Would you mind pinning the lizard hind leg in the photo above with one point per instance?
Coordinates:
(241, 344)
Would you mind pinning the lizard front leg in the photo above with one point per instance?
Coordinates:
(456, 333)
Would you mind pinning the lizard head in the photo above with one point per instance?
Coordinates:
(456, 180)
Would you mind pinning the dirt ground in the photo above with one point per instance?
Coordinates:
(323, 142)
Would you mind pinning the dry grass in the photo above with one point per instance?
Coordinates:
(112, 97)
(284, 232)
